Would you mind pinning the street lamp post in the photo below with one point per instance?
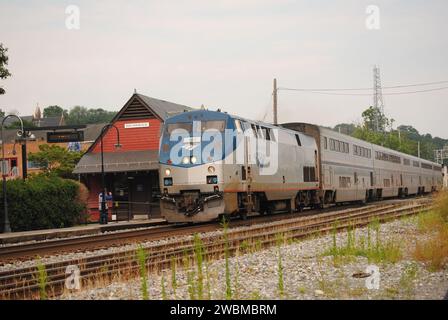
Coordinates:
(7, 226)
(103, 213)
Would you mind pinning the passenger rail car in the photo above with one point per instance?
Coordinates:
(352, 169)
(212, 164)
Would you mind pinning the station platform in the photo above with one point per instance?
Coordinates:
(88, 229)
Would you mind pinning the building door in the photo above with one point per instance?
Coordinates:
(120, 193)
(140, 197)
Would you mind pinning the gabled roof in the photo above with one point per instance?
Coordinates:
(141, 106)
(162, 108)
(48, 121)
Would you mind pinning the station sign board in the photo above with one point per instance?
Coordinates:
(65, 136)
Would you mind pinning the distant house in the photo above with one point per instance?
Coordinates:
(38, 120)
(13, 149)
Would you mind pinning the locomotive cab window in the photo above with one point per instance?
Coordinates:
(213, 124)
(238, 126)
(188, 126)
(298, 140)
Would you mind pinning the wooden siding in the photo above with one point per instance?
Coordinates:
(131, 139)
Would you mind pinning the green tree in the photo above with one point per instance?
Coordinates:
(4, 72)
(83, 115)
(345, 128)
(26, 124)
(54, 111)
(53, 159)
(370, 116)
(404, 139)
(77, 115)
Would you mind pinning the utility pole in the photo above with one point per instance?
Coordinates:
(418, 149)
(378, 102)
(275, 101)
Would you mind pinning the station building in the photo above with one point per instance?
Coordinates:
(131, 171)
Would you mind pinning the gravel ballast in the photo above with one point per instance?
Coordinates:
(307, 273)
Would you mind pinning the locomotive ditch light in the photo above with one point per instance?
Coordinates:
(186, 160)
(193, 159)
(168, 182)
(212, 179)
(167, 172)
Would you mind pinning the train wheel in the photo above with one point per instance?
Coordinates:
(243, 215)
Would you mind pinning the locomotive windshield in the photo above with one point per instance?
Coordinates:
(198, 139)
(173, 126)
(205, 125)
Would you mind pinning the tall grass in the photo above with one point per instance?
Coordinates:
(374, 252)
(173, 274)
(433, 251)
(198, 252)
(42, 280)
(141, 259)
(281, 285)
(162, 284)
(225, 226)
(207, 275)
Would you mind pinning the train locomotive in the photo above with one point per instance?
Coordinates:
(213, 164)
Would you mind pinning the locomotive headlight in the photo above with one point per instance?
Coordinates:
(167, 172)
(186, 160)
(193, 159)
(211, 169)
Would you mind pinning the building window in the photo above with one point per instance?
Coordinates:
(33, 165)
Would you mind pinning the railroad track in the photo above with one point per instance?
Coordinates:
(22, 283)
(30, 250)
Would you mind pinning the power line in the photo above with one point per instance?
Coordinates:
(364, 89)
(361, 94)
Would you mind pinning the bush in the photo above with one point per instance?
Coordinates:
(43, 202)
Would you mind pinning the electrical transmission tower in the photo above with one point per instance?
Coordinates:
(378, 102)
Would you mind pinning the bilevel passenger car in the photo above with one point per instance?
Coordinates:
(316, 166)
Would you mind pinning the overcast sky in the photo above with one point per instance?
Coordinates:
(226, 53)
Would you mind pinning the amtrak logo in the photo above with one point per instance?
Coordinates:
(189, 146)
(191, 143)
